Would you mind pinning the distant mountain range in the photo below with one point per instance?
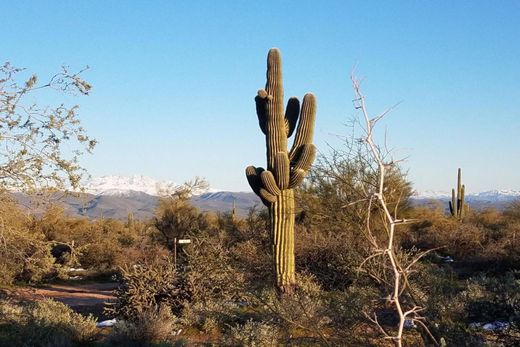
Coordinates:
(117, 196)
(492, 198)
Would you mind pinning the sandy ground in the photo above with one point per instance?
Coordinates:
(83, 298)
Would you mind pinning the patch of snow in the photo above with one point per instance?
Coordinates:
(446, 259)
(409, 324)
(496, 326)
(73, 269)
(493, 326)
(106, 323)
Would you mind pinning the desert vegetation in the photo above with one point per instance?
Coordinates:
(342, 258)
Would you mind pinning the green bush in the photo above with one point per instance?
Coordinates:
(45, 323)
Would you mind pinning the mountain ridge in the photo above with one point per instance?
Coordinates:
(117, 196)
(119, 185)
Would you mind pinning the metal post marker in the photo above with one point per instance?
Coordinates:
(180, 242)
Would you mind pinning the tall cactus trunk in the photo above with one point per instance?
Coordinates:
(281, 215)
(285, 168)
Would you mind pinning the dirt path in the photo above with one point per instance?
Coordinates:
(83, 298)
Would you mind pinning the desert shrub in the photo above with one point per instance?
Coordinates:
(216, 280)
(453, 305)
(253, 334)
(305, 309)
(148, 328)
(45, 323)
(147, 286)
(494, 298)
(24, 257)
(100, 245)
(257, 221)
(211, 316)
(24, 254)
(485, 240)
(332, 264)
(438, 289)
(212, 271)
(252, 259)
(101, 254)
(313, 316)
(334, 199)
(177, 218)
(463, 241)
(54, 224)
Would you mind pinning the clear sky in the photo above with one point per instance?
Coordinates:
(174, 81)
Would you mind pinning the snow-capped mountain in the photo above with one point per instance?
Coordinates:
(498, 199)
(495, 195)
(123, 185)
(431, 194)
(128, 185)
(490, 195)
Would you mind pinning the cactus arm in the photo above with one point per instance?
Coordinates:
(261, 112)
(253, 175)
(269, 183)
(453, 204)
(305, 157)
(253, 178)
(305, 130)
(297, 177)
(459, 187)
(266, 196)
(462, 208)
(292, 111)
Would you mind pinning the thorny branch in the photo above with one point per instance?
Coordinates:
(386, 252)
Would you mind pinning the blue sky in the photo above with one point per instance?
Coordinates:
(174, 81)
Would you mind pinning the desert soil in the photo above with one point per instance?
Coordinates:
(83, 298)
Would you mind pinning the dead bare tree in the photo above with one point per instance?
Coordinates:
(384, 251)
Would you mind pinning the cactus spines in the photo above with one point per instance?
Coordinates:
(457, 204)
(285, 169)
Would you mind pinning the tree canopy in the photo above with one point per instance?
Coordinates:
(40, 144)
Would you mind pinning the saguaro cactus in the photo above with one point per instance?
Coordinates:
(285, 169)
(457, 203)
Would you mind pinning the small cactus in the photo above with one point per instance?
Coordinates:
(285, 168)
(457, 204)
